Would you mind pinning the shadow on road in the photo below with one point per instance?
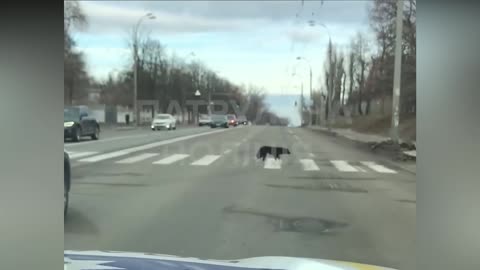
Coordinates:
(76, 222)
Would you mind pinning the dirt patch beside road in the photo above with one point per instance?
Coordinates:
(380, 125)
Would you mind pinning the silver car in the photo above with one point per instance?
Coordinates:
(164, 120)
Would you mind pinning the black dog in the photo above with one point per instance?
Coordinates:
(274, 151)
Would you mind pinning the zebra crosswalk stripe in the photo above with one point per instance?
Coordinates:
(343, 166)
(137, 158)
(271, 163)
(171, 159)
(206, 160)
(309, 165)
(377, 167)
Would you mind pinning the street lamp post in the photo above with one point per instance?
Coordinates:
(397, 72)
(311, 93)
(135, 63)
(327, 105)
(197, 95)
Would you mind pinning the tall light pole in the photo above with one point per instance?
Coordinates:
(327, 103)
(135, 62)
(310, 67)
(397, 73)
(197, 95)
(301, 100)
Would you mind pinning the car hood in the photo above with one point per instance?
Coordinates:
(86, 260)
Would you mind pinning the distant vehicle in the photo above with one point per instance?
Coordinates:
(242, 120)
(204, 120)
(66, 181)
(77, 123)
(219, 120)
(232, 120)
(164, 120)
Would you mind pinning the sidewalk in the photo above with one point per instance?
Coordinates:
(373, 141)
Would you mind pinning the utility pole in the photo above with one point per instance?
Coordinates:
(397, 73)
(311, 98)
(301, 104)
(135, 63)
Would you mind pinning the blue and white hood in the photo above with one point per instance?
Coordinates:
(98, 260)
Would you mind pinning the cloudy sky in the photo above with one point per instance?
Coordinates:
(246, 41)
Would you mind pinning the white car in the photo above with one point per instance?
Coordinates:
(164, 120)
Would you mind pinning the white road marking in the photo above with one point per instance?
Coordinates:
(271, 163)
(343, 166)
(360, 169)
(171, 159)
(245, 161)
(311, 155)
(227, 151)
(309, 165)
(74, 155)
(137, 158)
(237, 144)
(108, 140)
(206, 160)
(146, 146)
(376, 167)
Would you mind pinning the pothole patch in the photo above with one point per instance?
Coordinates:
(292, 224)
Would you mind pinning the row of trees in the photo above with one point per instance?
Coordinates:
(361, 75)
(166, 78)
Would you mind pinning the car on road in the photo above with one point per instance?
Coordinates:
(242, 120)
(204, 120)
(78, 122)
(66, 181)
(164, 120)
(219, 120)
(232, 120)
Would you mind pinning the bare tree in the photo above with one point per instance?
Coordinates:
(73, 16)
(76, 79)
(382, 16)
(360, 49)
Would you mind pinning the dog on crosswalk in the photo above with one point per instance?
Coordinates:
(276, 152)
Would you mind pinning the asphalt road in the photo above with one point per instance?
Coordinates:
(201, 192)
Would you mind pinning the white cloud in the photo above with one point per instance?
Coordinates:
(248, 41)
(305, 35)
(108, 18)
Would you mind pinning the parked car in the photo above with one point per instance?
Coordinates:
(66, 181)
(219, 120)
(232, 120)
(242, 120)
(164, 120)
(204, 120)
(78, 122)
